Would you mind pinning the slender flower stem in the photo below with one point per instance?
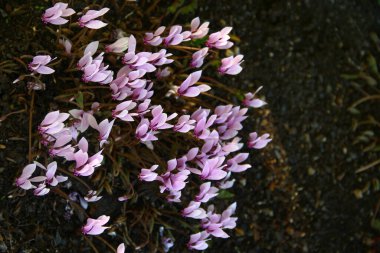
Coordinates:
(360, 101)
(86, 88)
(185, 48)
(216, 97)
(106, 243)
(91, 244)
(75, 177)
(65, 196)
(4, 117)
(78, 36)
(30, 126)
(368, 166)
(232, 91)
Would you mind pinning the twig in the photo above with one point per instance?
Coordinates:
(368, 166)
(364, 100)
(91, 244)
(185, 48)
(216, 97)
(4, 117)
(74, 205)
(106, 243)
(30, 126)
(86, 87)
(75, 177)
(219, 84)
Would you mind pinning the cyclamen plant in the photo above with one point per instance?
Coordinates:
(209, 164)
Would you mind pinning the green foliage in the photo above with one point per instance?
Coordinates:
(79, 100)
(224, 194)
(181, 7)
(199, 42)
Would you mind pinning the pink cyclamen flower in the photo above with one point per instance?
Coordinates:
(160, 58)
(92, 197)
(123, 198)
(232, 146)
(220, 39)
(198, 58)
(118, 46)
(201, 129)
(258, 142)
(89, 166)
(231, 65)
(122, 111)
(89, 51)
(187, 88)
(66, 43)
(143, 93)
(167, 243)
(174, 196)
(206, 192)
(23, 181)
(213, 169)
(198, 31)
(53, 123)
(104, 128)
(97, 72)
(193, 210)
(175, 36)
(95, 226)
(139, 61)
(148, 175)
(234, 165)
(62, 144)
(85, 165)
(41, 190)
(143, 107)
(143, 133)
(227, 221)
(198, 241)
(76, 197)
(89, 19)
(154, 39)
(251, 101)
(158, 122)
(39, 63)
(162, 73)
(130, 56)
(120, 248)
(226, 183)
(215, 223)
(81, 123)
(55, 15)
(173, 182)
(51, 169)
(184, 124)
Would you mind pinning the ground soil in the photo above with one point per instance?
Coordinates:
(297, 50)
(299, 195)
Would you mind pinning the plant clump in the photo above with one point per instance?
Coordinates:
(153, 131)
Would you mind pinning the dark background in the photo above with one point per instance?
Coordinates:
(302, 194)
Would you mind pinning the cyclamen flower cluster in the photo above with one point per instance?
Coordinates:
(213, 162)
(56, 14)
(25, 180)
(94, 69)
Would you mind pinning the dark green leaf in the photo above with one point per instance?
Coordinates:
(79, 99)
(353, 110)
(375, 224)
(174, 6)
(223, 194)
(349, 76)
(372, 64)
